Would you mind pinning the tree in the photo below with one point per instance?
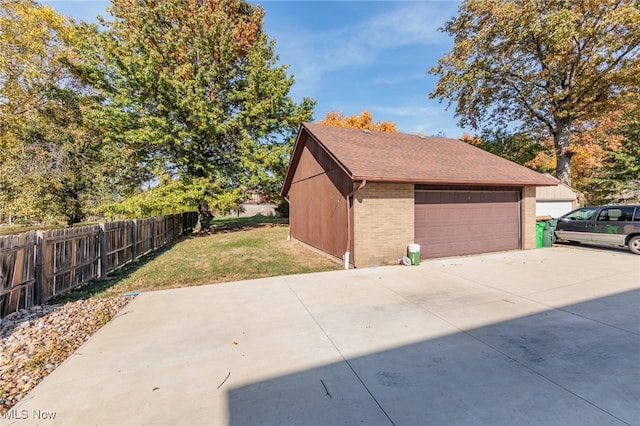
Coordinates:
(606, 164)
(198, 85)
(172, 196)
(621, 181)
(362, 121)
(542, 64)
(617, 177)
(517, 147)
(32, 40)
(57, 167)
(53, 159)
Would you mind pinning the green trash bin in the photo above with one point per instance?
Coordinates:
(547, 233)
(413, 253)
(539, 234)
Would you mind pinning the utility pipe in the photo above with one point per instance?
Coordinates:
(349, 202)
(289, 203)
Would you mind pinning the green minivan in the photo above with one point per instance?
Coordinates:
(613, 225)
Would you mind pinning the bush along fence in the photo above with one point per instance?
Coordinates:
(37, 265)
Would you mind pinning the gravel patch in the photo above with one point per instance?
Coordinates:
(34, 342)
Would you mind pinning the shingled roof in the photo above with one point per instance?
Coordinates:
(401, 157)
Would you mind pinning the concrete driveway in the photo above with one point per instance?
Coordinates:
(541, 337)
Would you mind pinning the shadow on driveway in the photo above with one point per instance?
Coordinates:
(558, 367)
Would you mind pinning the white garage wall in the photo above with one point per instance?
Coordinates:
(553, 208)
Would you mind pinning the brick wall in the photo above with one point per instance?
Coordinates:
(528, 215)
(383, 223)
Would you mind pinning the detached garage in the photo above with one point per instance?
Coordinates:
(556, 200)
(363, 196)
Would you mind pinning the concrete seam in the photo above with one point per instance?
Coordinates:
(343, 357)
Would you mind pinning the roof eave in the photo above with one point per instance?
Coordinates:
(382, 179)
(291, 167)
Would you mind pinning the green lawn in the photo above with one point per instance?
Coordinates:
(238, 249)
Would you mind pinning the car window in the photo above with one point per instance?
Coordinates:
(616, 214)
(637, 215)
(581, 214)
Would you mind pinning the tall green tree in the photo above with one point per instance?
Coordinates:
(543, 64)
(198, 85)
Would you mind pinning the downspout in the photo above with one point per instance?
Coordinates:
(289, 203)
(349, 201)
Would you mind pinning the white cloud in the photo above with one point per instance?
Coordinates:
(390, 80)
(429, 118)
(412, 23)
(312, 54)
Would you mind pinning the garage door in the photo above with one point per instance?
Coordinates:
(453, 223)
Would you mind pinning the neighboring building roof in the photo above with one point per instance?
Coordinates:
(401, 157)
(561, 192)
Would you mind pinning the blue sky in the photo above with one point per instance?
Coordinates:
(353, 55)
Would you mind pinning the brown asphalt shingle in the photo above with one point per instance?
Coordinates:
(381, 156)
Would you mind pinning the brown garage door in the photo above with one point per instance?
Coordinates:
(452, 223)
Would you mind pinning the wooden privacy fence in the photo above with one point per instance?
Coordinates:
(37, 265)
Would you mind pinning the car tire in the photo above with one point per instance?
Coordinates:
(634, 244)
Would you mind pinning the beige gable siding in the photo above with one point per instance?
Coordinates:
(383, 218)
(556, 193)
(528, 218)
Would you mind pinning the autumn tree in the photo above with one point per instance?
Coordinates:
(606, 164)
(53, 159)
(32, 40)
(56, 167)
(196, 90)
(542, 64)
(362, 121)
(613, 167)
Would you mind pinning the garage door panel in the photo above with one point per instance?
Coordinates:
(450, 223)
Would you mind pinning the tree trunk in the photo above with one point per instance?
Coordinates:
(74, 212)
(204, 216)
(561, 139)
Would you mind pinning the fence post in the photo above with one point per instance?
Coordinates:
(102, 272)
(39, 284)
(153, 234)
(134, 239)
